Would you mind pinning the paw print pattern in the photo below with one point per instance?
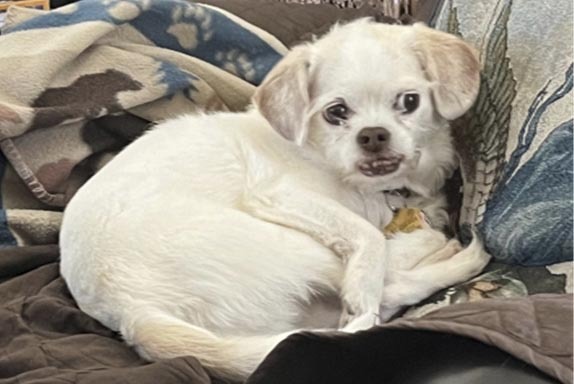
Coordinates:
(208, 35)
(189, 28)
(236, 62)
(126, 10)
(191, 24)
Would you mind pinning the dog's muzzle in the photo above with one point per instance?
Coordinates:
(380, 165)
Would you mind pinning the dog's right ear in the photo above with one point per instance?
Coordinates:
(283, 97)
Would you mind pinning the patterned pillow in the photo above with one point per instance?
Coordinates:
(516, 144)
(500, 281)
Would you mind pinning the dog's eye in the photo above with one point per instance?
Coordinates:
(409, 102)
(336, 114)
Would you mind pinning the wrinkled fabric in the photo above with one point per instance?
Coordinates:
(80, 82)
(536, 329)
(45, 338)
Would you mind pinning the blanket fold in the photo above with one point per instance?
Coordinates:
(536, 329)
(45, 338)
(108, 59)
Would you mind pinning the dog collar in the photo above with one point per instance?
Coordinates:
(396, 198)
(400, 192)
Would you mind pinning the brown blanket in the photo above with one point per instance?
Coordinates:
(45, 338)
(536, 329)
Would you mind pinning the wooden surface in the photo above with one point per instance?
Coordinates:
(44, 4)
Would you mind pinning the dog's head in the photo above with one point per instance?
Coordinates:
(369, 96)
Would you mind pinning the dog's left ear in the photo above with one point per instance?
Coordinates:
(283, 97)
(452, 65)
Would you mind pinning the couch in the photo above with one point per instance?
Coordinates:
(61, 120)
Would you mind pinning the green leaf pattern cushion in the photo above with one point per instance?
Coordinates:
(516, 144)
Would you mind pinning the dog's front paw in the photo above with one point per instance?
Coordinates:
(354, 319)
(346, 316)
(359, 323)
(386, 313)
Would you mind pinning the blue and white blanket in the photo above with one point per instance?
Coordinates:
(80, 82)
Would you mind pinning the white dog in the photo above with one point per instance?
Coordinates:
(212, 235)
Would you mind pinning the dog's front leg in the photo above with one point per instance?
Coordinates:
(360, 244)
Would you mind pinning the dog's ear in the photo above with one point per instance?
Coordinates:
(283, 97)
(452, 65)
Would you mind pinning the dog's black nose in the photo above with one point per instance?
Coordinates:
(373, 139)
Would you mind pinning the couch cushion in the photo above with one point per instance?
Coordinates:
(516, 144)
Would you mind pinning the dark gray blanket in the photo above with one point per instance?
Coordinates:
(536, 329)
(45, 338)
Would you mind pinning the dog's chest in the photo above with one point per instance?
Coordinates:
(371, 206)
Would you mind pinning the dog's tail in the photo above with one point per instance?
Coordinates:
(460, 267)
(156, 336)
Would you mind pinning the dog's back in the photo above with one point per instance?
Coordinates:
(154, 240)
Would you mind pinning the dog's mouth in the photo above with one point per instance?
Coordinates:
(380, 165)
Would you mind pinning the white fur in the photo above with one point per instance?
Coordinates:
(213, 236)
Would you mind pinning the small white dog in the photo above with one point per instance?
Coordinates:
(212, 235)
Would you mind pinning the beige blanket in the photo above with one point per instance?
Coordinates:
(79, 83)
